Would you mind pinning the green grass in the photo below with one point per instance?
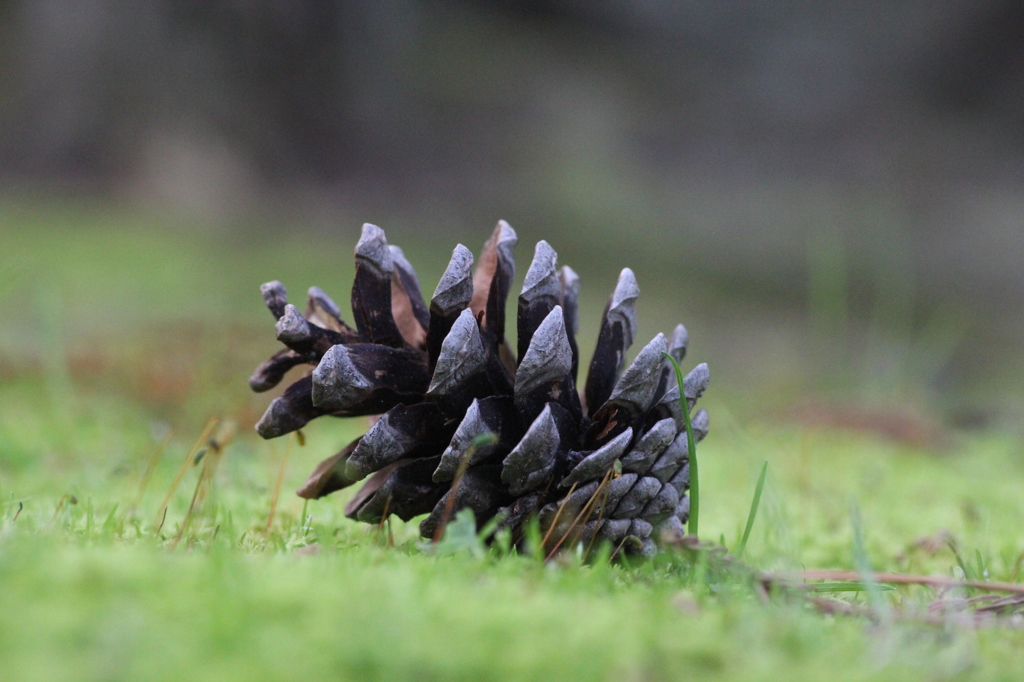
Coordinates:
(114, 336)
(693, 524)
(755, 503)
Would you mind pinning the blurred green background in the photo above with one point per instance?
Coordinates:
(829, 197)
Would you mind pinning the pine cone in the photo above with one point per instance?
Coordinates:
(612, 463)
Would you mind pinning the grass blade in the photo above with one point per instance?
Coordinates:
(754, 504)
(691, 445)
(867, 575)
(964, 566)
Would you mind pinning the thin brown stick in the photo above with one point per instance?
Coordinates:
(832, 607)
(600, 517)
(976, 619)
(161, 524)
(1006, 605)
(602, 493)
(203, 435)
(150, 468)
(1016, 567)
(600, 497)
(558, 514)
(978, 603)
(191, 507)
(21, 505)
(60, 504)
(618, 549)
(892, 578)
(585, 511)
(216, 445)
(277, 485)
(218, 442)
(449, 506)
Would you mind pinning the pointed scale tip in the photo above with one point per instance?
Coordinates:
(292, 327)
(455, 289)
(635, 385)
(506, 240)
(570, 280)
(320, 298)
(541, 278)
(549, 357)
(275, 296)
(273, 289)
(462, 354)
(280, 418)
(678, 343)
(533, 458)
(380, 445)
(701, 424)
(504, 234)
(337, 384)
(471, 426)
(622, 306)
(400, 261)
(497, 259)
(373, 248)
(696, 382)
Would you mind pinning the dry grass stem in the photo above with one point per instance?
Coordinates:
(215, 445)
(794, 579)
(558, 515)
(185, 464)
(277, 484)
(154, 459)
(60, 504)
(600, 516)
(583, 515)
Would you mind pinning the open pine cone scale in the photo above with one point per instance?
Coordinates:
(612, 463)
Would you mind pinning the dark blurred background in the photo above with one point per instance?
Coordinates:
(820, 189)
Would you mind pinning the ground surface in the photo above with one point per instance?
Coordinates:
(116, 335)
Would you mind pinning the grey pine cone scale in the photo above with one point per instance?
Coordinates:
(606, 460)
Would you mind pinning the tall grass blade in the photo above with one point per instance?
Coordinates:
(277, 484)
(691, 445)
(183, 469)
(154, 459)
(215, 446)
(754, 504)
(964, 566)
(867, 575)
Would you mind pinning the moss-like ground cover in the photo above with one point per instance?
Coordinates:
(116, 333)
